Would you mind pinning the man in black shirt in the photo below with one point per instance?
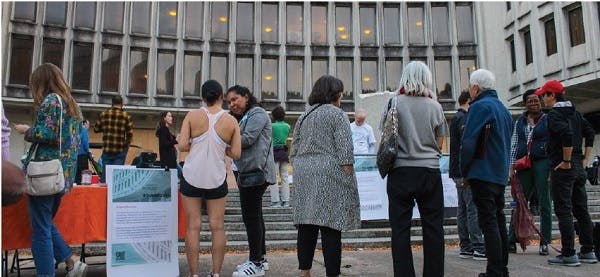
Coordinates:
(567, 129)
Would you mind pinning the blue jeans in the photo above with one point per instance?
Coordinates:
(47, 245)
(111, 159)
(469, 234)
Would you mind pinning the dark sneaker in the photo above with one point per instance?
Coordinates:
(588, 258)
(478, 256)
(512, 248)
(566, 261)
(465, 255)
(544, 249)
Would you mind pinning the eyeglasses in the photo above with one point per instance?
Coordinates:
(530, 101)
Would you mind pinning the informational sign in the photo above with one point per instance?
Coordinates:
(372, 189)
(142, 222)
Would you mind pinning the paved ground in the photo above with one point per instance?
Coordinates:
(374, 263)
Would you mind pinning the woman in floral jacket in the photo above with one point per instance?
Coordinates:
(50, 92)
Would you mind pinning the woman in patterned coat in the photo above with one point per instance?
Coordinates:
(326, 196)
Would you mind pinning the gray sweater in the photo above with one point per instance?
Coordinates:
(257, 146)
(420, 121)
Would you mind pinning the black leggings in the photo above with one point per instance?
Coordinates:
(252, 215)
(331, 241)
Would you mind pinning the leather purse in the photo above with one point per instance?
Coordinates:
(388, 148)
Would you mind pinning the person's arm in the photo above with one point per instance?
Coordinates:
(234, 151)
(129, 130)
(441, 130)
(13, 183)
(477, 118)
(98, 125)
(342, 141)
(589, 134)
(183, 140)
(253, 127)
(46, 126)
(514, 143)
(557, 123)
(85, 140)
(295, 138)
(371, 140)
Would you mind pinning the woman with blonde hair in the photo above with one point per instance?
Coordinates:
(52, 101)
(416, 172)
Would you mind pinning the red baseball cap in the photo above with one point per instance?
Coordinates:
(552, 86)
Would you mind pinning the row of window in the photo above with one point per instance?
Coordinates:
(417, 21)
(82, 60)
(576, 35)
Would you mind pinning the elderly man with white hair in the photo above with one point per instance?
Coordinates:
(484, 163)
(363, 137)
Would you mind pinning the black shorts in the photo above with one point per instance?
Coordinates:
(190, 191)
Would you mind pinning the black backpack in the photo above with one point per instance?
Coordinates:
(597, 238)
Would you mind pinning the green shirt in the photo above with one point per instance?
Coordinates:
(281, 131)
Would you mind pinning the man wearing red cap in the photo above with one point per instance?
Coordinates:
(567, 129)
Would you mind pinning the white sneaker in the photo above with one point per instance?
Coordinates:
(264, 262)
(249, 270)
(79, 270)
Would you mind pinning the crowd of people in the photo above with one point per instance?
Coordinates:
(246, 149)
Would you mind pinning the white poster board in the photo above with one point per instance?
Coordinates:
(372, 189)
(142, 222)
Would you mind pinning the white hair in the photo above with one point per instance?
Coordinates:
(416, 79)
(483, 78)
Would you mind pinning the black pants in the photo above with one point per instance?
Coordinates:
(82, 164)
(331, 240)
(404, 186)
(489, 199)
(570, 199)
(251, 202)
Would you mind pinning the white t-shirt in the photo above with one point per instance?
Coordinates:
(363, 138)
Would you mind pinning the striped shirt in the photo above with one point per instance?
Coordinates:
(117, 130)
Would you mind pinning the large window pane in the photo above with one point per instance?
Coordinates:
(576, 30)
(294, 23)
(318, 24)
(528, 50)
(295, 72)
(513, 58)
(20, 59)
(113, 16)
(220, 20)
(391, 25)
(82, 65)
(194, 19)
(439, 15)
(244, 71)
(56, 13)
(367, 25)
(369, 80)
(218, 69)
(464, 23)
(416, 25)
(138, 71)
(269, 78)
(393, 73)
(343, 25)
(319, 68)
(269, 22)
(165, 73)
(111, 68)
(245, 21)
(140, 18)
(53, 51)
(443, 78)
(192, 70)
(85, 14)
(550, 32)
(25, 10)
(344, 73)
(167, 19)
(466, 67)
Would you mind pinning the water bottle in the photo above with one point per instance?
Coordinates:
(86, 177)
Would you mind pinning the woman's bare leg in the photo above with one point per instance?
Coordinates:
(216, 214)
(192, 207)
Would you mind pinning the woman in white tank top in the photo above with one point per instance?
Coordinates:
(212, 138)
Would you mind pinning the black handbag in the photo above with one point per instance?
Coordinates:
(388, 148)
(251, 178)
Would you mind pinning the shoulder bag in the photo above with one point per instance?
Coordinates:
(388, 148)
(46, 177)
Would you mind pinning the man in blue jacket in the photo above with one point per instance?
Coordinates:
(484, 162)
(567, 176)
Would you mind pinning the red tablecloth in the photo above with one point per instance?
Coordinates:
(81, 218)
